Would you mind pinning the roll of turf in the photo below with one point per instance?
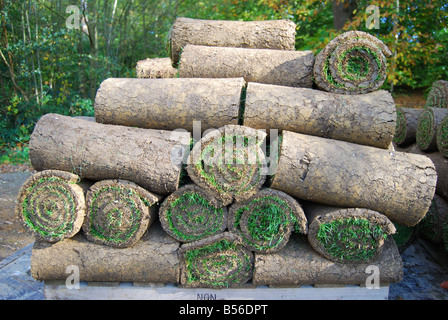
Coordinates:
(229, 162)
(434, 227)
(52, 205)
(279, 67)
(367, 119)
(266, 220)
(428, 123)
(268, 34)
(219, 261)
(438, 95)
(347, 235)
(190, 214)
(406, 126)
(352, 63)
(119, 212)
(150, 158)
(338, 173)
(442, 136)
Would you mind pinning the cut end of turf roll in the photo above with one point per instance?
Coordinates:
(229, 162)
(400, 129)
(352, 235)
(265, 221)
(426, 132)
(352, 63)
(219, 261)
(442, 136)
(190, 214)
(52, 205)
(119, 212)
(438, 95)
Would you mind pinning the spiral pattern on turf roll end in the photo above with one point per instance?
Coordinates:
(219, 261)
(438, 95)
(352, 63)
(229, 162)
(266, 220)
(400, 127)
(119, 212)
(426, 132)
(52, 205)
(190, 214)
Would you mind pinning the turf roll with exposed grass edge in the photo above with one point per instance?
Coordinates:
(119, 212)
(229, 162)
(347, 235)
(266, 220)
(352, 63)
(438, 95)
(190, 214)
(219, 261)
(406, 126)
(442, 136)
(428, 123)
(52, 205)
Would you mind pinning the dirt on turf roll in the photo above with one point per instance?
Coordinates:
(153, 259)
(367, 119)
(338, 173)
(268, 34)
(285, 68)
(150, 158)
(169, 104)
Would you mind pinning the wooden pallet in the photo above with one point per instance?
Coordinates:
(134, 291)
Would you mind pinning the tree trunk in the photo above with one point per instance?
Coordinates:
(280, 67)
(150, 158)
(343, 12)
(367, 119)
(339, 173)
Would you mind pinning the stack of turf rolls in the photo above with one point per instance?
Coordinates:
(235, 172)
(425, 131)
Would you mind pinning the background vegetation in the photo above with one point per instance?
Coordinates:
(47, 67)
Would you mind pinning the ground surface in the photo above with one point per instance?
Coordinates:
(13, 235)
